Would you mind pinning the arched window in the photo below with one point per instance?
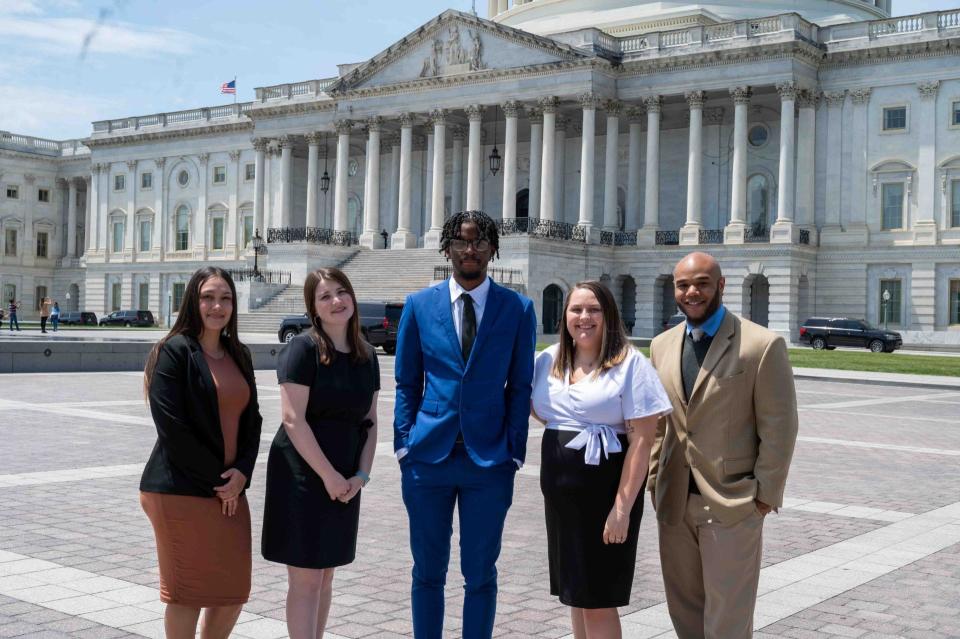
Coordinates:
(758, 201)
(183, 228)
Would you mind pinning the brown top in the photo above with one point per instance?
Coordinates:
(233, 395)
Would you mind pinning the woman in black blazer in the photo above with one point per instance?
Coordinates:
(203, 397)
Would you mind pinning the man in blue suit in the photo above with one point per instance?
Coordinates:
(464, 370)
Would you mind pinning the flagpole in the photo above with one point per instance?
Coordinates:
(234, 89)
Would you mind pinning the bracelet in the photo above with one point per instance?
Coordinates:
(364, 477)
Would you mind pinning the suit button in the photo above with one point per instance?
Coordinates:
(706, 507)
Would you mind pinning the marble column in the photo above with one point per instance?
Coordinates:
(260, 146)
(589, 103)
(611, 166)
(560, 162)
(129, 235)
(831, 229)
(427, 197)
(647, 236)
(432, 237)
(102, 196)
(784, 231)
(286, 181)
(548, 163)
(474, 161)
(404, 238)
(71, 218)
(733, 233)
(394, 181)
(371, 187)
(806, 162)
(501, 6)
(924, 224)
(690, 233)
(456, 185)
(857, 231)
(313, 161)
(340, 220)
(535, 115)
(88, 232)
(510, 112)
(161, 227)
(634, 168)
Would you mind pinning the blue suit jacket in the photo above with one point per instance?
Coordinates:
(486, 398)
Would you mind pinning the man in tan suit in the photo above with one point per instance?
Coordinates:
(720, 459)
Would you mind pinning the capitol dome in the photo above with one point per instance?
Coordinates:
(625, 17)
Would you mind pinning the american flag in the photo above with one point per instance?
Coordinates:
(229, 87)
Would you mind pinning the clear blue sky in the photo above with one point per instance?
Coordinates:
(65, 63)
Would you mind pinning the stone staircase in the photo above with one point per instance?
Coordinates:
(376, 275)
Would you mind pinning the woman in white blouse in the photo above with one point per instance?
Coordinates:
(599, 399)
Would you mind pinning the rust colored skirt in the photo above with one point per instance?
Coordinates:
(204, 556)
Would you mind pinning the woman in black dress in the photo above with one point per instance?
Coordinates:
(322, 455)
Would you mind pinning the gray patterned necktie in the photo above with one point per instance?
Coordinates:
(697, 334)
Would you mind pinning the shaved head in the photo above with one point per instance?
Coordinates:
(698, 286)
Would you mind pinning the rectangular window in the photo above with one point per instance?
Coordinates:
(41, 292)
(955, 115)
(891, 310)
(892, 202)
(249, 171)
(955, 204)
(146, 181)
(219, 175)
(10, 243)
(954, 302)
(247, 230)
(146, 228)
(42, 241)
(115, 296)
(13, 192)
(895, 118)
(217, 240)
(43, 195)
(118, 237)
(143, 297)
(119, 182)
(9, 293)
(178, 289)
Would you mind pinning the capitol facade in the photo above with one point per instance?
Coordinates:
(813, 146)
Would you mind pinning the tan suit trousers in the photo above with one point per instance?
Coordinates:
(710, 573)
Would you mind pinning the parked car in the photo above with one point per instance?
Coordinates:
(378, 324)
(128, 318)
(830, 332)
(673, 320)
(78, 318)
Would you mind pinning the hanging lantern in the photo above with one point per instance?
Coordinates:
(325, 180)
(495, 160)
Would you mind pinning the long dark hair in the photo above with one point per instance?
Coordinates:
(358, 348)
(614, 344)
(190, 323)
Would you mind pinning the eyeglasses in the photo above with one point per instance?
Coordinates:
(480, 246)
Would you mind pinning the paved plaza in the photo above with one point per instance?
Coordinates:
(867, 546)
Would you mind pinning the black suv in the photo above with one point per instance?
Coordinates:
(78, 318)
(830, 332)
(128, 318)
(378, 324)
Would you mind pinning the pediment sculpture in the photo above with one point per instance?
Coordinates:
(449, 55)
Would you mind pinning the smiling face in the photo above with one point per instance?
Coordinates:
(698, 287)
(332, 304)
(469, 262)
(216, 304)
(584, 319)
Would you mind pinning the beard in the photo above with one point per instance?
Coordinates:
(708, 312)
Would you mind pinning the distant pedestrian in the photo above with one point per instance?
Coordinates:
(203, 398)
(45, 306)
(12, 312)
(55, 316)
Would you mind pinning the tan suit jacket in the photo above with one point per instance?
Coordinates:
(736, 435)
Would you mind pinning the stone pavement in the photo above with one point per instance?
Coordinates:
(868, 544)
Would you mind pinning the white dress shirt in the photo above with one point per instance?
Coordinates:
(479, 295)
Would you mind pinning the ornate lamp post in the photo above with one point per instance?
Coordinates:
(886, 302)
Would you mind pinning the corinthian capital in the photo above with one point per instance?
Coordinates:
(695, 99)
(613, 107)
(636, 114)
(808, 99)
(834, 98)
(474, 112)
(132, 165)
(861, 96)
(928, 90)
(375, 124)
(535, 115)
(511, 108)
(315, 138)
(260, 144)
(406, 120)
(160, 162)
(787, 91)
(654, 103)
(741, 95)
(343, 126)
(589, 101)
(286, 141)
(548, 104)
(438, 116)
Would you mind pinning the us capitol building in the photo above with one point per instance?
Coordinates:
(813, 146)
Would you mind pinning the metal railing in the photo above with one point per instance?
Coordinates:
(545, 229)
(310, 235)
(667, 238)
(260, 275)
(625, 238)
(710, 236)
(756, 234)
(505, 276)
(805, 236)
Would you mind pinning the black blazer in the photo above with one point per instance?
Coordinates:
(188, 456)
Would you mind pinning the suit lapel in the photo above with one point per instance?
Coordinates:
(444, 312)
(676, 372)
(718, 348)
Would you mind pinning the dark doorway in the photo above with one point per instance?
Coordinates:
(552, 309)
(523, 203)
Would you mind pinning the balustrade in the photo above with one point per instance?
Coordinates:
(546, 229)
(310, 235)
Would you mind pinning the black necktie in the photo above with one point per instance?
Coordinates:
(468, 329)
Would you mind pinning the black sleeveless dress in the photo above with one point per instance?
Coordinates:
(302, 526)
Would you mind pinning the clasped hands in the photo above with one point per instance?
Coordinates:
(229, 493)
(341, 489)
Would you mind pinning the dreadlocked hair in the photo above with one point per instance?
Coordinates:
(486, 228)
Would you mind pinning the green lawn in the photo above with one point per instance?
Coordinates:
(865, 361)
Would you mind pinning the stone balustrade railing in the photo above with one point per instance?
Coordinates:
(700, 36)
(173, 118)
(30, 144)
(905, 26)
(294, 90)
